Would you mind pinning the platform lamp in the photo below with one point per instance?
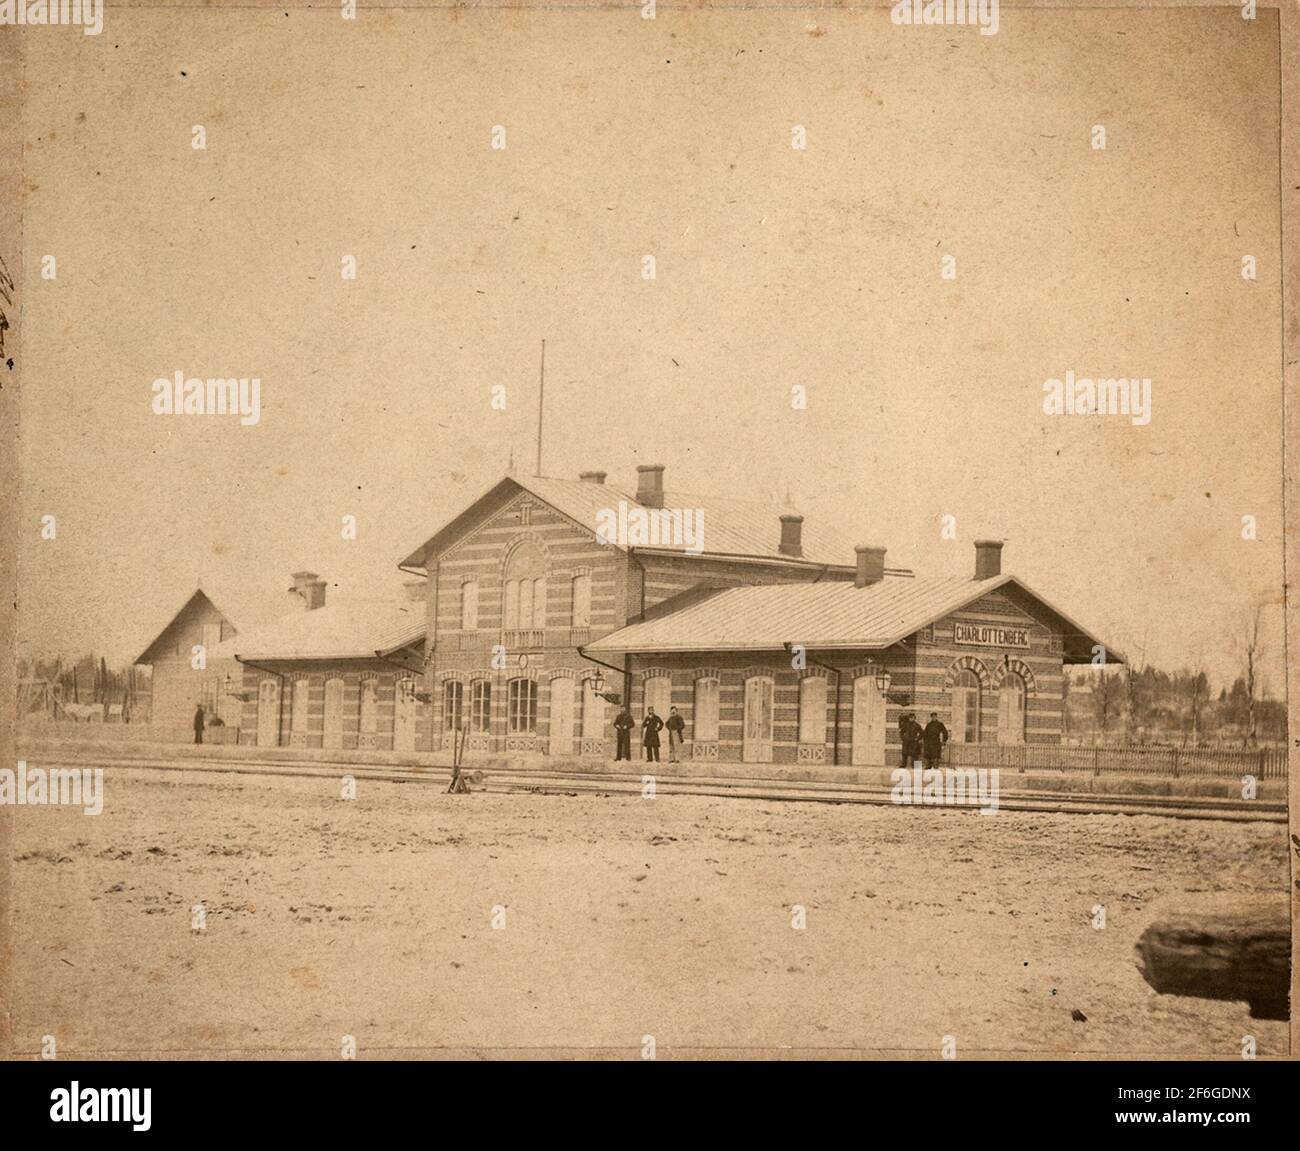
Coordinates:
(597, 682)
(228, 688)
(883, 679)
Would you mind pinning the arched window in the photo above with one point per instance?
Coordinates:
(658, 693)
(965, 707)
(299, 707)
(582, 601)
(593, 712)
(469, 605)
(1011, 709)
(524, 603)
(812, 709)
(369, 718)
(521, 707)
(704, 729)
(333, 719)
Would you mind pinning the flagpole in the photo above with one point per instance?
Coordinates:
(541, 398)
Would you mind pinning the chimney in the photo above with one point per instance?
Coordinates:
(871, 565)
(791, 535)
(988, 558)
(650, 485)
(592, 477)
(310, 588)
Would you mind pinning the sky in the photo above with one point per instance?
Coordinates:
(775, 266)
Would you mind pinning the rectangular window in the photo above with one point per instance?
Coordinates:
(812, 709)
(705, 726)
(480, 706)
(453, 700)
(521, 707)
(511, 605)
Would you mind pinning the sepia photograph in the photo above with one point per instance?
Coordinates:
(646, 531)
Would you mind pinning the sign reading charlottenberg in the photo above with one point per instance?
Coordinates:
(989, 635)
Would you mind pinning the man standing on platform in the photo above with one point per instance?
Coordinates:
(623, 723)
(651, 726)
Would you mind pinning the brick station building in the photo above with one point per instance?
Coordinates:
(777, 641)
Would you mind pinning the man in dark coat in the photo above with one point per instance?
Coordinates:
(651, 726)
(198, 724)
(909, 735)
(676, 732)
(935, 736)
(623, 723)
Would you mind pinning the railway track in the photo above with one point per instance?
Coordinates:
(544, 782)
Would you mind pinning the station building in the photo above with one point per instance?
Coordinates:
(777, 641)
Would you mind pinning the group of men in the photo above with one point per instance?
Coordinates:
(924, 743)
(651, 726)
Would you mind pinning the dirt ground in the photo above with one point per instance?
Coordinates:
(623, 918)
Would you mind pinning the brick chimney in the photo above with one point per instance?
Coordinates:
(592, 477)
(310, 588)
(791, 535)
(988, 558)
(871, 565)
(650, 485)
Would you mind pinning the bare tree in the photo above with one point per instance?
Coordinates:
(1104, 694)
(1251, 646)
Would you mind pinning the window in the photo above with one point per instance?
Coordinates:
(211, 637)
(582, 601)
(658, 691)
(1011, 709)
(966, 707)
(299, 706)
(369, 706)
(525, 588)
(469, 605)
(480, 706)
(812, 709)
(539, 603)
(705, 726)
(521, 707)
(593, 712)
(453, 702)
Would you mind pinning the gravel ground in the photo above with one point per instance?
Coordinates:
(623, 918)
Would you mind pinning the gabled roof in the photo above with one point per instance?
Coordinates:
(824, 616)
(236, 606)
(731, 527)
(344, 629)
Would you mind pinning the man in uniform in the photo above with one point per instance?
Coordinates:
(651, 726)
(934, 737)
(198, 724)
(623, 723)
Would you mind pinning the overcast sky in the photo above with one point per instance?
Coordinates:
(775, 266)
